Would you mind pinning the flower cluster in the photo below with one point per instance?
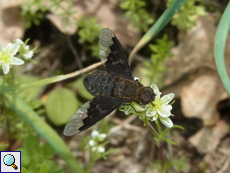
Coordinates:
(96, 140)
(7, 54)
(158, 109)
(24, 49)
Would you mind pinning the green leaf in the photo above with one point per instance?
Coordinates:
(30, 93)
(43, 169)
(220, 41)
(24, 170)
(17, 104)
(53, 168)
(61, 105)
(47, 150)
(157, 27)
(32, 144)
(26, 157)
(153, 47)
(3, 147)
(78, 84)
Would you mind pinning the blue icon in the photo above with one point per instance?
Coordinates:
(9, 160)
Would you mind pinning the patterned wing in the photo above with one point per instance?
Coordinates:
(72, 127)
(90, 113)
(111, 51)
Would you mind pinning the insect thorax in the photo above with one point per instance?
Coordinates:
(102, 83)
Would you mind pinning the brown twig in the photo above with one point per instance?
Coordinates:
(125, 124)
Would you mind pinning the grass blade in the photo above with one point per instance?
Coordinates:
(24, 110)
(157, 27)
(220, 41)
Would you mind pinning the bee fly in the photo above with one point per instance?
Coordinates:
(112, 88)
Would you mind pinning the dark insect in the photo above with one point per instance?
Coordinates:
(112, 88)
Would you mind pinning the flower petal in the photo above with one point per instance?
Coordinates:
(13, 49)
(166, 121)
(155, 117)
(1, 48)
(6, 67)
(17, 61)
(19, 41)
(164, 111)
(94, 134)
(101, 149)
(167, 98)
(8, 46)
(127, 110)
(101, 137)
(91, 143)
(28, 55)
(155, 89)
(151, 112)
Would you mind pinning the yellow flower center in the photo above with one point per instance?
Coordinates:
(5, 57)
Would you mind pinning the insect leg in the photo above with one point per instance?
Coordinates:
(132, 107)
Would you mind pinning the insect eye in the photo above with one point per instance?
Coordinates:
(136, 79)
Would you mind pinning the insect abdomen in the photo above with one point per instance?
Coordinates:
(100, 83)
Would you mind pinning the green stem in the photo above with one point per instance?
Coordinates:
(158, 127)
(154, 132)
(50, 80)
(157, 27)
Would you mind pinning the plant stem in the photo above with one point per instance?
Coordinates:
(152, 129)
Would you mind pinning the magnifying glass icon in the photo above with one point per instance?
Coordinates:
(9, 160)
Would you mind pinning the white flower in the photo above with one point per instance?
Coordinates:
(94, 134)
(91, 143)
(101, 149)
(95, 142)
(98, 137)
(7, 56)
(160, 108)
(19, 41)
(24, 49)
(98, 149)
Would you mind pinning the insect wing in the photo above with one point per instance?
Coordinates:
(100, 107)
(90, 113)
(111, 51)
(105, 41)
(76, 120)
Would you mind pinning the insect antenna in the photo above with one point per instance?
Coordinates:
(152, 104)
(132, 107)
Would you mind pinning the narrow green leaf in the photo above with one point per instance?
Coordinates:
(23, 109)
(220, 41)
(157, 27)
(7, 88)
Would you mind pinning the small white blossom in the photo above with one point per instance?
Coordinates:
(24, 49)
(19, 41)
(101, 149)
(160, 108)
(98, 149)
(95, 142)
(98, 137)
(91, 143)
(7, 57)
(94, 134)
